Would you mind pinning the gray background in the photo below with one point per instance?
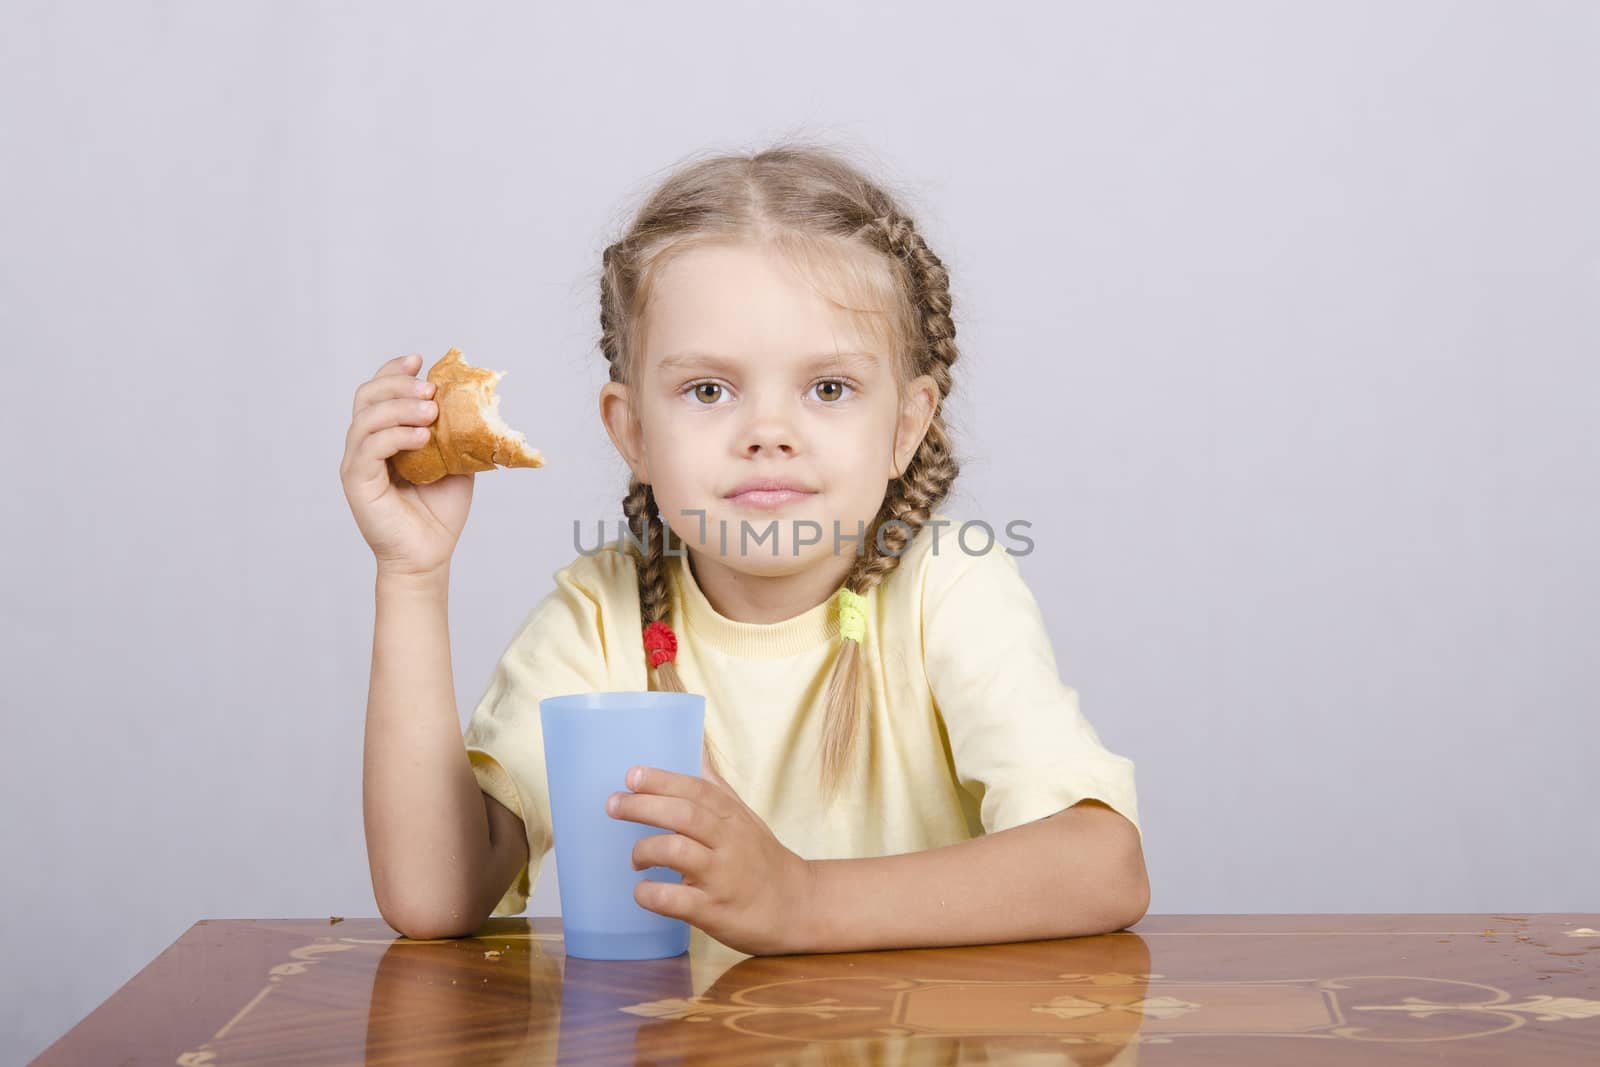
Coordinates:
(1277, 322)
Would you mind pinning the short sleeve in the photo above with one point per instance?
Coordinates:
(1018, 740)
(558, 650)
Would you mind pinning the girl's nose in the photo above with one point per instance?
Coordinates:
(770, 430)
(770, 443)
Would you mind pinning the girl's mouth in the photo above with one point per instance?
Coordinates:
(768, 499)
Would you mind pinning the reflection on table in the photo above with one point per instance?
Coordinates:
(1239, 989)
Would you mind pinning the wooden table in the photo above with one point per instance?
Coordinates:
(1193, 989)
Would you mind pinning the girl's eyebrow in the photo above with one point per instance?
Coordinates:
(681, 361)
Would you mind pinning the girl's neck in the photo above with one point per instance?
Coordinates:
(759, 598)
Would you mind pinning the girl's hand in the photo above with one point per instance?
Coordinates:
(740, 885)
(411, 529)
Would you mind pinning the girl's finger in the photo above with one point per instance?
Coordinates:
(376, 418)
(388, 386)
(377, 447)
(399, 411)
(672, 899)
(682, 854)
(669, 813)
(406, 364)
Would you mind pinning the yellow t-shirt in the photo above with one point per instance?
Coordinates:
(969, 729)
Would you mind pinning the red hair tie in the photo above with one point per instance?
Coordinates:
(661, 643)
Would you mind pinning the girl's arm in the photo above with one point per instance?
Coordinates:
(1079, 871)
(427, 822)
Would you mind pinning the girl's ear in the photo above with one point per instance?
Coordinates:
(916, 415)
(621, 423)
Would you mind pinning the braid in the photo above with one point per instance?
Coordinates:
(912, 496)
(644, 520)
(660, 643)
(926, 481)
(610, 341)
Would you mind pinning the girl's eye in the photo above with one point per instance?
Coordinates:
(837, 384)
(699, 388)
(708, 392)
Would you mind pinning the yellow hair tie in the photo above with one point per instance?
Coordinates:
(852, 615)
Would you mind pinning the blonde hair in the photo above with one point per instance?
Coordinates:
(839, 229)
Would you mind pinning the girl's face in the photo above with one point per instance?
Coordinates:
(748, 373)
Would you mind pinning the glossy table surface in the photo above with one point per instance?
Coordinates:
(1193, 989)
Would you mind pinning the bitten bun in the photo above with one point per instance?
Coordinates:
(468, 434)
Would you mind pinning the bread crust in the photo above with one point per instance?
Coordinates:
(463, 438)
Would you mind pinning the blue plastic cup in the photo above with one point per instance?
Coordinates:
(590, 741)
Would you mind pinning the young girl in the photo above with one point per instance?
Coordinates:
(891, 758)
